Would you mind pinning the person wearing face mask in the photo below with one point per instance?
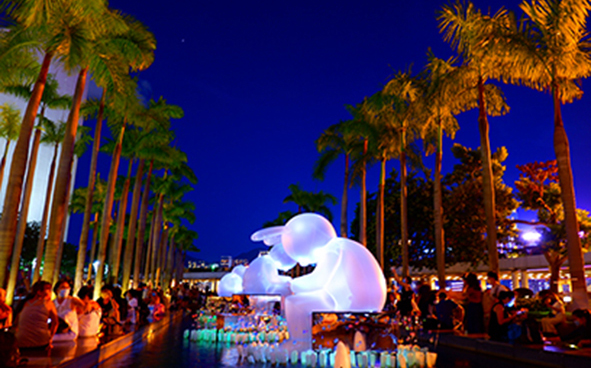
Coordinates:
(132, 307)
(581, 336)
(68, 308)
(89, 320)
(37, 319)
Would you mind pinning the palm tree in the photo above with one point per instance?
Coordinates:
(394, 111)
(144, 148)
(310, 201)
(384, 148)
(470, 33)
(336, 140)
(10, 117)
(549, 51)
(52, 23)
(362, 157)
(110, 31)
(442, 101)
(80, 146)
(156, 115)
(157, 153)
(175, 211)
(53, 135)
(137, 52)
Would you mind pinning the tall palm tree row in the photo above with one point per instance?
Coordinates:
(46, 27)
(86, 37)
(53, 135)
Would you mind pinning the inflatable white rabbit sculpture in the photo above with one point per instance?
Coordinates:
(346, 278)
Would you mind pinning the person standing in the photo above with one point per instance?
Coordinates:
(474, 320)
(491, 296)
(407, 305)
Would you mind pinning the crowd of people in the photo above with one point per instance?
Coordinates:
(50, 314)
(489, 311)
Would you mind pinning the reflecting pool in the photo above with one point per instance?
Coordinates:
(170, 349)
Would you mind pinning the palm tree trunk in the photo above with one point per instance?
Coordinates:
(118, 243)
(22, 220)
(106, 219)
(363, 200)
(169, 265)
(61, 194)
(3, 162)
(161, 261)
(380, 216)
(555, 261)
(92, 247)
(17, 171)
(438, 212)
(150, 250)
(45, 218)
(344, 203)
(83, 243)
(576, 263)
(488, 190)
(156, 236)
(139, 245)
(403, 213)
(128, 256)
(60, 249)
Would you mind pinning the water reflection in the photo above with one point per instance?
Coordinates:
(170, 349)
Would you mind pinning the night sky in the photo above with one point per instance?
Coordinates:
(259, 81)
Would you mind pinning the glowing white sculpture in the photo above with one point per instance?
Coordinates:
(346, 277)
(262, 277)
(231, 283)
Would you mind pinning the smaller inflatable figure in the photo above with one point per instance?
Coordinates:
(231, 283)
(261, 277)
(346, 277)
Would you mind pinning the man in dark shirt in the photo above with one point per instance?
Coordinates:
(445, 311)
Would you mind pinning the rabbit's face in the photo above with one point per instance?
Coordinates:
(304, 234)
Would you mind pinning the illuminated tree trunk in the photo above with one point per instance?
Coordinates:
(61, 194)
(118, 243)
(22, 220)
(139, 245)
(380, 216)
(18, 165)
(403, 209)
(106, 219)
(345, 200)
(438, 212)
(488, 189)
(363, 201)
(576, 263)
(129, 245)
(93, 247)
(45, 218)
(83, 243)
(156, 237)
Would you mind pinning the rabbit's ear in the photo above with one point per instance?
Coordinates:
(270, 236)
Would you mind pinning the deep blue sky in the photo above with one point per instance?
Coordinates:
(259, 81)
